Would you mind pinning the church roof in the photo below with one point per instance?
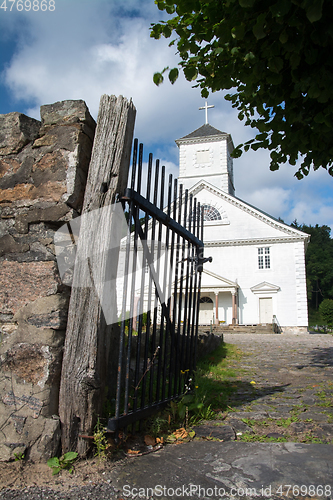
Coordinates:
(203, 131)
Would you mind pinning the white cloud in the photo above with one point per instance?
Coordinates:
(275, 201)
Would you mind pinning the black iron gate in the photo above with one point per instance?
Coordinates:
(162, 259)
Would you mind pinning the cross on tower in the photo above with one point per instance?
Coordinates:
(205, 107)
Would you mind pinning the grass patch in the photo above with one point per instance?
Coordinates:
(325, 400)
(285, 422)
(209, 391)
(249, 438)
(213, 374)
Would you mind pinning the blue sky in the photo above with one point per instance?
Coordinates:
(86, 48)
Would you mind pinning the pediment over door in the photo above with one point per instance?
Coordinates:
(265, 287)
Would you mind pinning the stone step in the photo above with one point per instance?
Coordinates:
(219, 329)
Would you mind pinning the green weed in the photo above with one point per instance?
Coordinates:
(308, 438)
(100, 441)
(64, 462)
(285, 422)
(248, 438)
(249, 422)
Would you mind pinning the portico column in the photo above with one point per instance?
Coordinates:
(135, 313)
(217, 322)
(172, 301)
(234, 308)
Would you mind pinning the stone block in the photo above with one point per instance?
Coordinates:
(54, 167)
(30, 379)
(22, 435)
(66, 112)
(16, 130)
(9, 245)
(48, 444)
(49, 214)
(47, 312)
(21, 283)
(222, 432)
(50, 191)
(27, 361)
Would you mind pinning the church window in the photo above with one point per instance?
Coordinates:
(211, 213)
(264, 258)
(206, 300)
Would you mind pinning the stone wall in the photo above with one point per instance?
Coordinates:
(43, 171)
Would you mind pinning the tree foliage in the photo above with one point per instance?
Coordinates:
(319, 263)
(275, 56)
(326, 311)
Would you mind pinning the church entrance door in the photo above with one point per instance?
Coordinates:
(206, 312)
(265, 310)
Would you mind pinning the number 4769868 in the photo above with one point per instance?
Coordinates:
(27, 5)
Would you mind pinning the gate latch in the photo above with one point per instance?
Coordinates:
(201, 261)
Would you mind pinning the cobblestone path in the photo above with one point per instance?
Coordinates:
(286, 390)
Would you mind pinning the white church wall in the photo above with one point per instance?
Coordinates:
(239, 263)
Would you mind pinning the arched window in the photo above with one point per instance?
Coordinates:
(206, 300)
(211, 213)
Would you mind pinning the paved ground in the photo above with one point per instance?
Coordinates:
(292, 397)
(290, 403)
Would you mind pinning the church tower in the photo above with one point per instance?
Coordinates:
(206, 154)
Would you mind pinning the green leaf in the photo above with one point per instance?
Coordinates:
(190, 73)
(53, 462)
(173, 75)
(281, 8)
(246, 3)
(166, 31)
(294, 60)
(283, 37)
(170, 9)
(158, 78)
(274, 166)
(56, 470)
(259, 27)
(275, 64)
(249, 56)
(68, 457)
(160, 5)
(236, 153)
(314, 11)
(238, 32)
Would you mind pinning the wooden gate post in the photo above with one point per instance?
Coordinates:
(87, 344)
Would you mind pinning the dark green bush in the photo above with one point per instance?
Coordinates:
(326, 311)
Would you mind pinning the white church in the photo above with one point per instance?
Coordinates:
(258, 267)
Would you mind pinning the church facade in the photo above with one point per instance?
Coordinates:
(258, 267)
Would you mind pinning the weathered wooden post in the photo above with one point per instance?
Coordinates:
(88, 337)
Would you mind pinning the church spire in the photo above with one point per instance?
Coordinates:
(205, 107)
